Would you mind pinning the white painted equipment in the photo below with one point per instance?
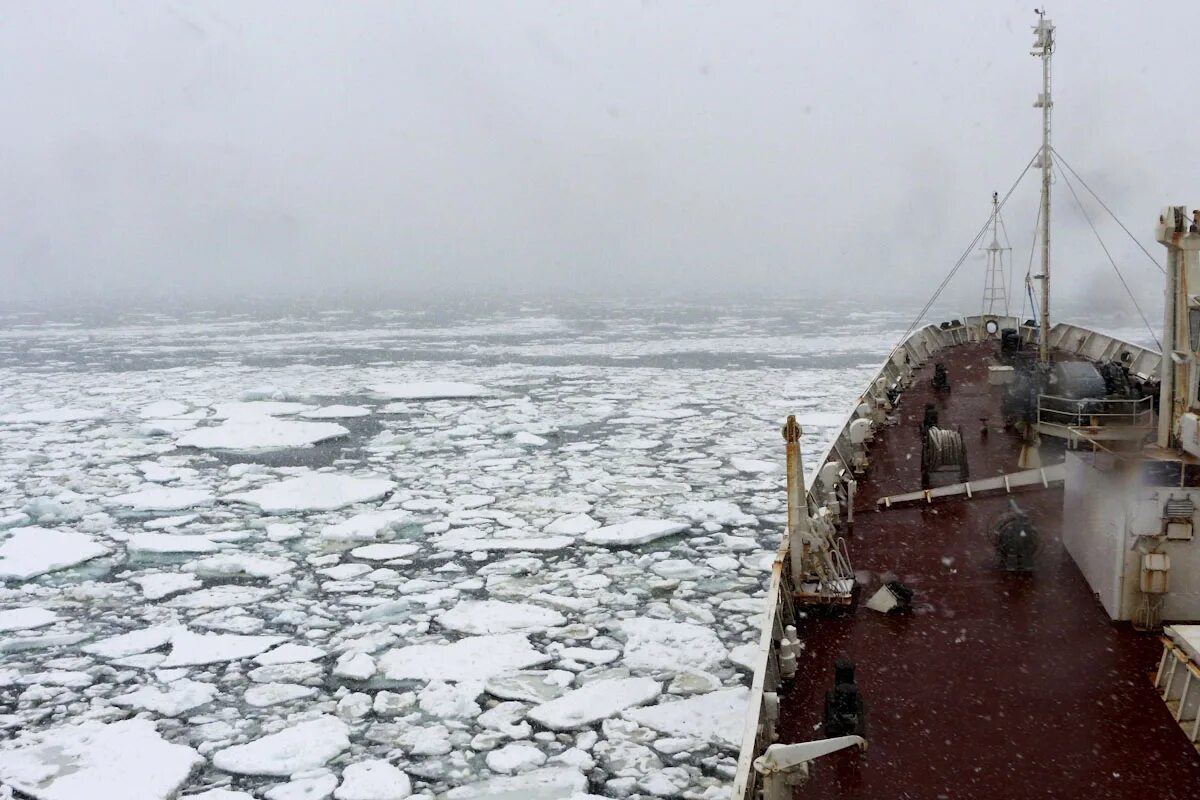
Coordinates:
(1001, 375)
(784, 766)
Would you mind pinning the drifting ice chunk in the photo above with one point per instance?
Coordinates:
(753, 466)
(494, 616)
(337, 412)
(716, 717)
(472, 540)
(721, 512)
(633, 532)
(366, 527)
(32, 551)
(238, 564)
(305, 745)
(133, 643)
(373, 780)
(50, 415)
(597, 700)
(471, 659)
(222, 597)
(161, 498)
(515, 757)
(180, 696)
(548, 783)
(264, 433)
(94, 760)
(429, 390)
(534, 685)
(163, 409)
(22, 619)
(656, 644)
(257, 409)
(290, 654)
(384, 552)
(146, 542)
(158, 585)
(316, 491)
(192, 649)
(571, 525)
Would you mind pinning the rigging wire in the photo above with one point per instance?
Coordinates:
(1112, 261)
(961, 260)
(1075, 174)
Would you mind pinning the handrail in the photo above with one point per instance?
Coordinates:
(1098, 412)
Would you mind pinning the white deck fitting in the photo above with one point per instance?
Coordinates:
(1178, 677)
(1014, 480)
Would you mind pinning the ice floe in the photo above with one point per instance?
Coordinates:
(495, 616)
(22, 619)
(656, 644)
(597, 700)
(266, 433)
(428, 390)
(192, 649)
(93, 760)
(375, 779)
(302, 746)
(716, 716)
(31, 551)
(470, 659)
(633, 532)
(314, 491)
(161, 498)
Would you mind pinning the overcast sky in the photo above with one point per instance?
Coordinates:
(260, 148)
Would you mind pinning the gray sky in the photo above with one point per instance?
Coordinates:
(258, 148)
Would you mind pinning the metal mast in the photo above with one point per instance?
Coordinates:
(1043, 46)
(995, 285)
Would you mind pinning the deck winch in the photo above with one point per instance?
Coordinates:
(1015, 539)
(942, 450)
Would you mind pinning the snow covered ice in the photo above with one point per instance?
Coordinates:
(529, 565)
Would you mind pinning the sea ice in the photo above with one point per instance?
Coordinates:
(547, 783)
(633, 532)
(94, 760)
(385, 552)
(192, 649)
(428, 390)
(32, 551)
(473, 658)
(147, 542)
(158, 585)
(717, 716)
(304, 745)
(162, 498)
(722, 512)
(23, 619)
(515, 757)
(270, 694)
(178, 697)
(314, 491)
(597, 700)
(373, 780)
(290, 654)
(45, 416)
(472, 540)
(657, 644)
(223, 596)
(534, 685)
(754, 466)
(133, 643)
(336, 412)
(266, 433)
(367, 527)
(494, 616)
(571, 525)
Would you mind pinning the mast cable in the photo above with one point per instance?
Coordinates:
(1117, 270)
(961, 260)
(1153, 260)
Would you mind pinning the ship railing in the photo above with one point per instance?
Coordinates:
(759, 730)
(1074, 417)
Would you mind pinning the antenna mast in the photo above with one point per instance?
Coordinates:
(995, 286)
(1043, 46)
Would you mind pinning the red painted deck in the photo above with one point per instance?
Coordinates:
(999, 685)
